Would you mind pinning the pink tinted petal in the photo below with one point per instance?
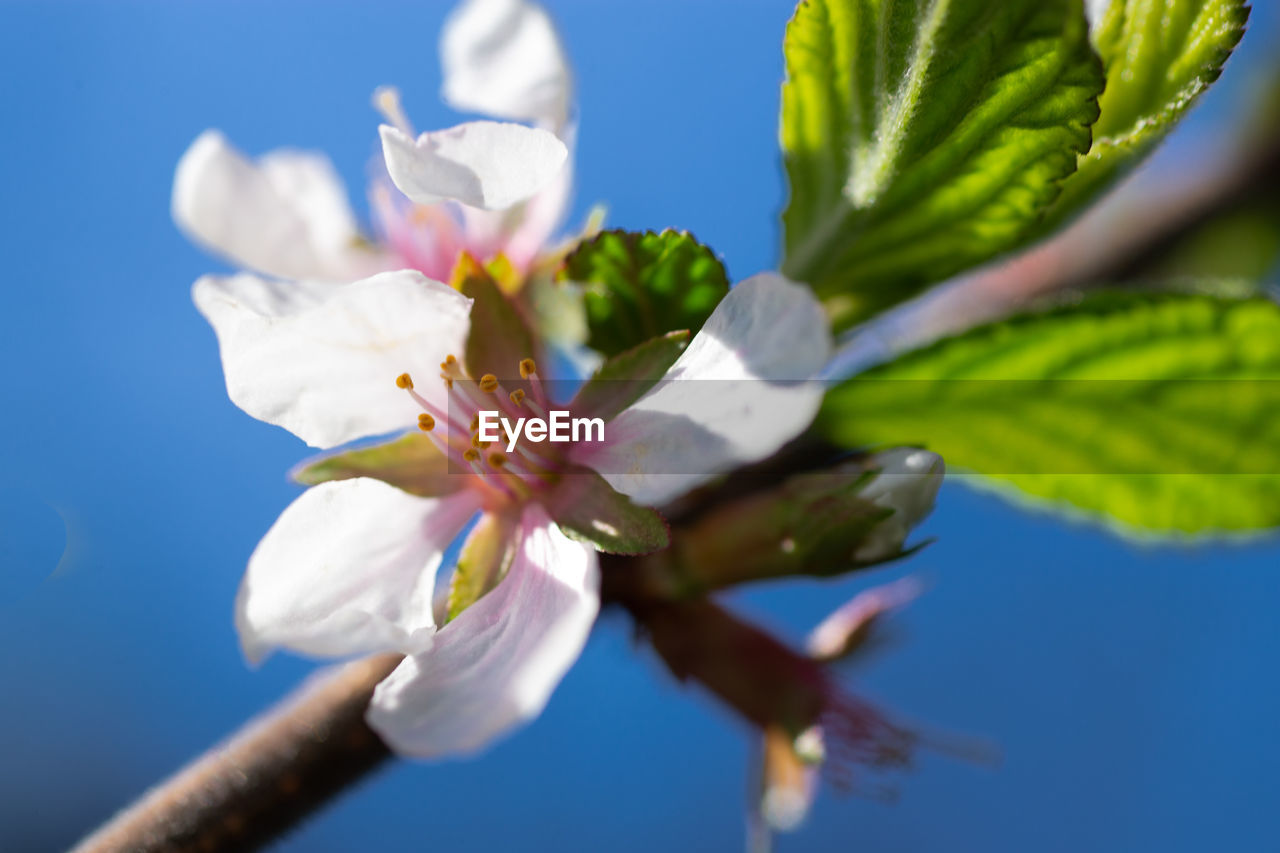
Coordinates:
(495, 666)
(843, 631)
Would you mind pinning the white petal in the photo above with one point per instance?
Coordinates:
(286, 215)
(908, 484)
(525, 233)
(323, 364)
(349, 569)
(495, 666)
(267, 297)
(504, 58)
(485, 164)
(743, 388)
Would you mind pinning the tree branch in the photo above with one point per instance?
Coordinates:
(280, 768)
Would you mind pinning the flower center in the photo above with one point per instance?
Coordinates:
(510, 466)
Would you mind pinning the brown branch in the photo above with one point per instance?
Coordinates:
(280, 768)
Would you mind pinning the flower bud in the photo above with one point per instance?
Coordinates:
(819, 523)
(907, 483)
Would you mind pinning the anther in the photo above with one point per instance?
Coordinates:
(517, 396)
(488, 383)
(386, 100)
(471, 455)
(426, 423)
(404, 381)
(478, 444)
(497, 459)
(528, 368)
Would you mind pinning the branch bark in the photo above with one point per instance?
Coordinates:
(280, 768)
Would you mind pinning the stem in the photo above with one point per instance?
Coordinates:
(270, 775)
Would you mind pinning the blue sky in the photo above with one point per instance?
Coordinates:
(1130, 689)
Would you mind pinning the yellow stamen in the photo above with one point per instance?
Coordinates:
(527, 368)
(517, 396)
(426, 423)
(488, 383)
(471, 455)
(478, 444)
(452, 369)
(404, 381)
(497, 459)
(475, 424)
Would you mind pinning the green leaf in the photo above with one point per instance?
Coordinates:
(588, 509)
(638, 286)
(1160, 412)
(499, 339)
(484, 560)
(924, 137)
(1160, 55)
(625, 378)
(412, 463)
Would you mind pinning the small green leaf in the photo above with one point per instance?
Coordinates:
(499, 337)
(412, 463)
(1160, 55)
(625, 378)
(588, 509)
(1157, 411)
(484, 560)
(924, 137)
(638, 286)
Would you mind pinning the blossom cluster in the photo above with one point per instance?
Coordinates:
(341, 335)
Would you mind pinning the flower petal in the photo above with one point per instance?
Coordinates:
(349, 568)
(485, 164)
(286, 215)
(494, 667)
(522, 235)
(847, 630)
(504, 58)
(322, 361)
(744, 387)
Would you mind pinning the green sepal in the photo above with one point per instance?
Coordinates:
(485, 558)
(625, 378)
(499, 338)
(411, 463)
(639, 285)
(588, 509)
